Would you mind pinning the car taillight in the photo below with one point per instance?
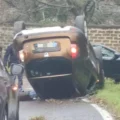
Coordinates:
(15, 88)
(22, 55)
(74, 50)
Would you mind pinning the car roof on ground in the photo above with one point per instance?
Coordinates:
(43, 30)
(46, 29)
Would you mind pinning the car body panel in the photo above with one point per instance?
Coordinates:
(64, 51)
(111, 61)
(5, 94)
(3, 97)
(3, 89)
(57, 65)
(75, 36)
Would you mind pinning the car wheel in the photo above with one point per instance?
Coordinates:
(81, 23)
(18, 26)
(13, 106)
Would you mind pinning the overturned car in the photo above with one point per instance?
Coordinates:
(59, 60)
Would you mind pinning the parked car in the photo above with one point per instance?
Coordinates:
(59, 59)
(111, 62)
(9, 102)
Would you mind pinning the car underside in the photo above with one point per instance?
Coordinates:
(52, 77)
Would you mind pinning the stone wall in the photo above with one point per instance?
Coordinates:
(107, 35)
(6, 34)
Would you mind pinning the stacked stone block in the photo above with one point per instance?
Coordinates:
(109, 36)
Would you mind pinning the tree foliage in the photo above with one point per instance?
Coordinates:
(35, 11)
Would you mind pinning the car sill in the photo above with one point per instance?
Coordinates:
(51, 76)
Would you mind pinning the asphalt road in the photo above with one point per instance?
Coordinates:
(70, 109)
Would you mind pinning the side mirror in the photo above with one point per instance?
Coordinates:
(17, 69)
(117, 55)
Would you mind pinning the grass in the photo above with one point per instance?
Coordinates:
(110, 96)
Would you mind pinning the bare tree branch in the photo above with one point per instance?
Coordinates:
(9, 2)
(55, 5)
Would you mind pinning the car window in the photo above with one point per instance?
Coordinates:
(107, 54)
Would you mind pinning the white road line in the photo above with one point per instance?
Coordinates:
(86, 100)
(104, 113)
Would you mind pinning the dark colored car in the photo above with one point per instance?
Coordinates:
(111, 62)
(59, 59)
(9, 103)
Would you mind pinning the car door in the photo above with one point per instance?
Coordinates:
(92, 56)
(3, 91)
(110, 64)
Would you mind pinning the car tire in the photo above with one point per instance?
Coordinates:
(81, 23)
(13, 106)
(19, 26)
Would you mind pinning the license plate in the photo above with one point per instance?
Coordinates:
(50, 44)
(46, 47)
(40, 45)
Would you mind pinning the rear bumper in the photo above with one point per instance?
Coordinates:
(52, 76)
(49, 68)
